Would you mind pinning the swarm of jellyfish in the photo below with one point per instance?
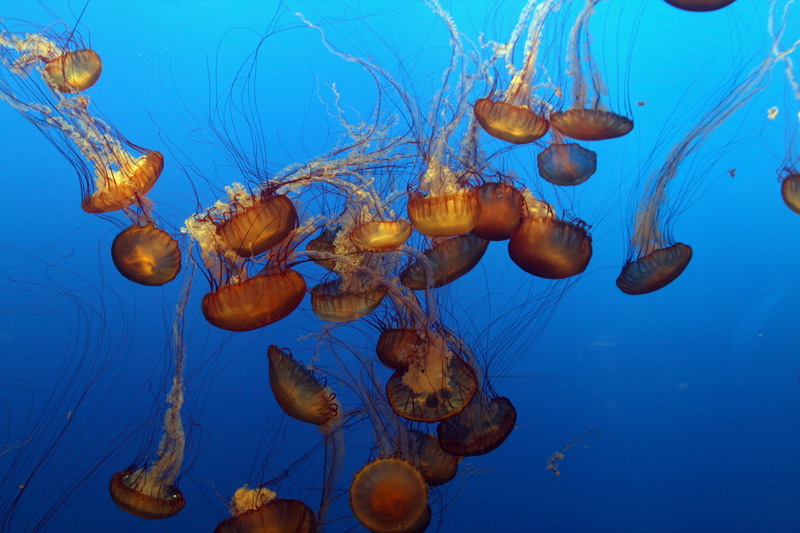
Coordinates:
(374, 231)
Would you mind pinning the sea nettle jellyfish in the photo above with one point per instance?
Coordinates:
(587, 119)
(654, 258)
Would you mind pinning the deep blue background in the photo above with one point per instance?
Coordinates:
(694, 388)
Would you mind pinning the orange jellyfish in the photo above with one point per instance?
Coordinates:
(150, 491)
(261, 511)
(548, 247)
(436, 465)
(483, 426)
(390, 495)
(517, 117)
(304, 397)
(341, 300)
(444, 263)
(699, 5)
(790, 191)
(582, 121)
(501, 211)
(437, 384)
(65, 70)
(146, 255)
(654, 258)
(241, 301)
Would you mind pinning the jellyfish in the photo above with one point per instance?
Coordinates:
(516, 117)
(790, 191)
(654, 259)
(501, 211)
(447, 260)
(566, 164)
(587, 119)
(146, 255)
(150, 491)
(119, 173)
(390, 495)
(548, 247)
(699, 5)
(260, 510)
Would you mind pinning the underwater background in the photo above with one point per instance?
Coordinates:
(689, 395)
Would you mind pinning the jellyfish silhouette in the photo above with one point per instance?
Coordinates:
(699, 5)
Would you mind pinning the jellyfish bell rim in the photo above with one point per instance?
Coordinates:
(703, 6)
(655, 270)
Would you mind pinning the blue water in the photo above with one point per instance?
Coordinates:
(693, 389)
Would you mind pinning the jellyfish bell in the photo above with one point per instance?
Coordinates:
(255, 302)
(699, 5)
(257, 222)
(73, 71)
(444, 215)
(299, 393)
(548, 247)
(482, 427)
(143, 494)
(447, 261)
(389, 495)
(146, 255)
(333, 302)
(397, 347)
(790, 191)
(655, 270)
(436, 465)
(517, 124)
(566, 164)
(381, 235)
(591, 124)
(501, 211)
(261, 511)
(435, 386)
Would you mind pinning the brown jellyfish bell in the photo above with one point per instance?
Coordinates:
(146, 255)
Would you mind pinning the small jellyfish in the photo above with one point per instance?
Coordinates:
(256, 223)
(436, 465)
(397, 347)
(333, 303)
(444, 214)
(581, 121)
(73, 71)
(146, 255)
(390, 495)
(381, 236)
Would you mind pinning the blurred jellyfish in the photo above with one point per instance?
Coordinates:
(587, 119)
(699, 5)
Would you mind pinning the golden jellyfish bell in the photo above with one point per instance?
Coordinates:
(73, 71)
(299, 393)
(397, 347)
(257, 227)
(655, 270)
(389, 495)
(380, 235)
(444, 215)
(146, 255)
(119, 188)
(255, 302)
(142, 494)
(332, 304)
(512, 123)
(436, 465)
